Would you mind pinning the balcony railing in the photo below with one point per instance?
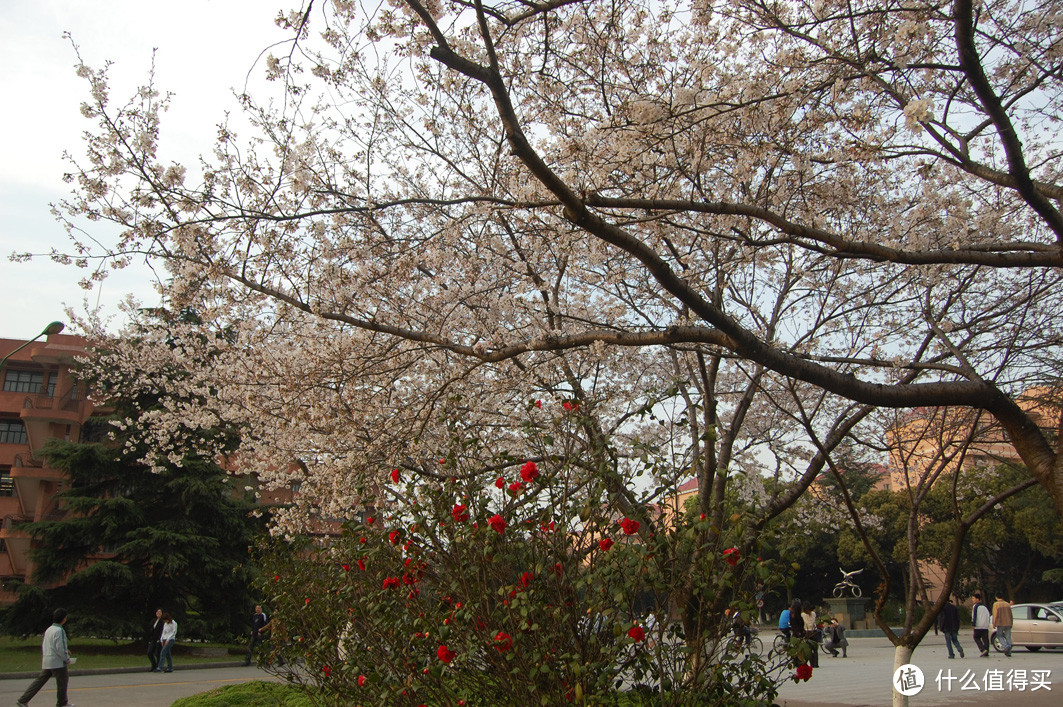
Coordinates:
(69, 401)
(14, 520)
(28, 462)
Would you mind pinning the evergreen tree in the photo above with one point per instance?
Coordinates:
(174, 535)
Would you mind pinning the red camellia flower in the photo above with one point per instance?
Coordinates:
(346, 567)
(503, 641)
(327, 670)
(445, 654)
(605, 544)
(526, 579)
(362, 680)
(529, 472)
(370, 520)
(630, 526)
(391, 582)
(459, 513)
(731, 555)
(395, 476)
(361, 564)
(497, 523)
(636, 633)
(539, 404)
(516, 487)
(393, 536)
(570, 406)
(558, 569)
(500, 483)
(804, 672)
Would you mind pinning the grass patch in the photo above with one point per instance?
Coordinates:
(24, 655)
(257, 693)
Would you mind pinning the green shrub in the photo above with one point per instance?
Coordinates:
(471, 592)
(249, 694)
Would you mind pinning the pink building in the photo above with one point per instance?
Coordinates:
(40, 400)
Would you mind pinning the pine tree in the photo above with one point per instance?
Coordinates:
(174, 535)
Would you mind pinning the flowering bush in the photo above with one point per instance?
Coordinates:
(466, 592)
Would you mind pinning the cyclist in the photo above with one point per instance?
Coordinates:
(784, 623)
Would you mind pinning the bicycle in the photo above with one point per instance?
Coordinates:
(751, 644)
(781, 643)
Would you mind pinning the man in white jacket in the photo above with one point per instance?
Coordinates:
(55, 657)
(980, 619)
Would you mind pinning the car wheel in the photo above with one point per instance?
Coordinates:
(1033, 649)
(997, 645)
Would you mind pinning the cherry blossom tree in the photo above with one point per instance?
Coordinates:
(556, 176)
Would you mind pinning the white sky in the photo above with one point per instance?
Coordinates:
(205, 49)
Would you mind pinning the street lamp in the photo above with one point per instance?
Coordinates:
(53, 328)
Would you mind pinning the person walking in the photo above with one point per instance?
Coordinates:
(949, 623)
(258, 620)
(980, 619)
(166, 640)
(1002, 621)
(762, 610)
(55, 657)
(153, 636)
(268, 628)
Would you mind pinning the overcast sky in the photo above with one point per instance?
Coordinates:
(205, 48)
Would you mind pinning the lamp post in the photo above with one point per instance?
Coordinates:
(53, 328)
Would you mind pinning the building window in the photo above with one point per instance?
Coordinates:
(12, 432)
(7, 484)
(23, 381)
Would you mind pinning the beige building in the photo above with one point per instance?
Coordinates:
(929, 442)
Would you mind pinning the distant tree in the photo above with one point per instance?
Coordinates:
(1013, 548)
(886, 514)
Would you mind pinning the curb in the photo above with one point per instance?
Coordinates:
(115, 671)
(849, 633)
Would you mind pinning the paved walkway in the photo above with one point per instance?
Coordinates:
(864, 679)
(140, 688)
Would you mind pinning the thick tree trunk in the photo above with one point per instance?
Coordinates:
(901, 656)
